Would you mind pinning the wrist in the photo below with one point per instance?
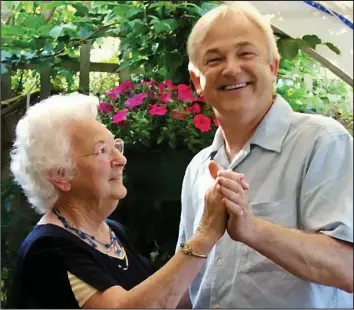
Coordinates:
(258, 233)
(201, 244)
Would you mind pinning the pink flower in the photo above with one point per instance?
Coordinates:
(161, 87)
(135, 100)
(202, 123)
(185, 93)
(126, 86)
(166, 97)
(178, 115)
(148, 83)
(105, 107)
(120, 116)
(168, 84)
(157, 110)
(216, 122)
(195, 108)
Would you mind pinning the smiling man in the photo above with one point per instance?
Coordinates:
(290, 235)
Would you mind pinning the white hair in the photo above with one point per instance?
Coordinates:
(42, 143)
(208, 20)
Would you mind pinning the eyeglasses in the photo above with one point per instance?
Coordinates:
(106, 151)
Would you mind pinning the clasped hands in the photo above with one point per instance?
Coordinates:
(226, 205)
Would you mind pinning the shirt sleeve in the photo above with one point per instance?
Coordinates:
(326, 199)
(82, 291)
(51, 264)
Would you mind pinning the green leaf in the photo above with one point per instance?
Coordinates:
(12, 30)
(57, 31)
(312, 40)
(28, 6)
(333, 48)
(288, 48)
(81, 10)
(165, 25)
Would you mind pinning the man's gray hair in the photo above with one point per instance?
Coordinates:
(207, 21)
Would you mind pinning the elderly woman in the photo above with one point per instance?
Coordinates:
(70, 168)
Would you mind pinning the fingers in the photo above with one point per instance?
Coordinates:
(237, 177)
(232, 208)
(213, 169)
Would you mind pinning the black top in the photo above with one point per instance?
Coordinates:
(50, 251)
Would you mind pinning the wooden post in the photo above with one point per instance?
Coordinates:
(5, 86)
(46, 86)
(84, 83)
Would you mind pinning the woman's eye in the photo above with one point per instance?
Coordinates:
(103, 149)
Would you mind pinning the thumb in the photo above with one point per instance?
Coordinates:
(213, 169)
(243, 183)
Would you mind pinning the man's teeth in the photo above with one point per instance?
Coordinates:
(235, 86)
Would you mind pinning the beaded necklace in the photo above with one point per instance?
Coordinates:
(91, 240)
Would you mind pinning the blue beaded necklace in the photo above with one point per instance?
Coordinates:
(93, 241)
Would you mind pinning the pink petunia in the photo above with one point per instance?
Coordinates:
(185, 93)
(216, 122)
(120, 116)
(157, 110)
(195, 108)
(135, 101)
(169, 84)
(105, 107)
(148, 83)
(178, 115)
(124, 87)
(202, 122)
(166, 97)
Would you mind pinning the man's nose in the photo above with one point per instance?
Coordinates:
(232, 67)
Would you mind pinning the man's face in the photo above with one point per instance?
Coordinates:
(237, 74)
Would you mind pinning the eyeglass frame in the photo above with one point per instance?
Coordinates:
(111, 148)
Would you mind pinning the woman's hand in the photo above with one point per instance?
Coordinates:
(214, 218)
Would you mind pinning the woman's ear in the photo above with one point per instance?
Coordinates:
(60, 179)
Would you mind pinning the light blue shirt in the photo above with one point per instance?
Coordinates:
(300, 171)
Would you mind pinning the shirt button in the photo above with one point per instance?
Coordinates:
(217, 306)
(219, 262)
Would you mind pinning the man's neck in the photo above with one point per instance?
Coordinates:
(238, 129)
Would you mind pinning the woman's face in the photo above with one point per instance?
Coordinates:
(98, 172)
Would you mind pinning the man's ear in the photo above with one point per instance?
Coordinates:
(274, 67)
(60, 179)
(196, 81)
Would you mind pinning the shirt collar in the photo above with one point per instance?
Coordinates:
(270, 133)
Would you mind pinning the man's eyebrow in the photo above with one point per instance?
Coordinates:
(215, 50)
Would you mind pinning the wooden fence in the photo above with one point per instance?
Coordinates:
(82, 65)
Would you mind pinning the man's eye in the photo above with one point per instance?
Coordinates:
(243, 54)
(213, 60)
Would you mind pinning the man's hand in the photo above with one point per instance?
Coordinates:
(241, 225)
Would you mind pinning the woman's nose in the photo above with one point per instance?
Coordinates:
(118, 158)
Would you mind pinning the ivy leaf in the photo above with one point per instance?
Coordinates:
(27, 6)
(81, 10)
(333, 48)
(57, 31)
(11, 30)
(288, 48)
(165, 25)
(312, 40)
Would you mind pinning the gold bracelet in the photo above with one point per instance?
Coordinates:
(186, 249)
